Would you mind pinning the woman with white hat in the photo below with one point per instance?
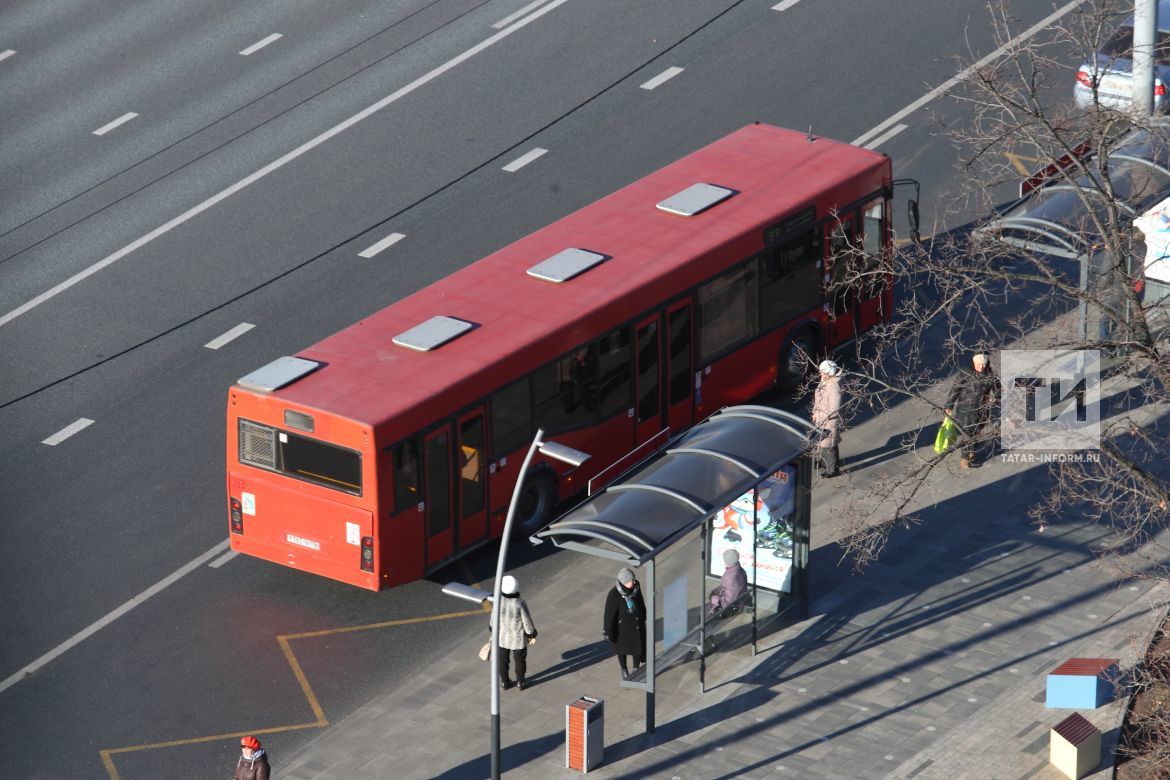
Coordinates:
(826, 415)
(516, 632)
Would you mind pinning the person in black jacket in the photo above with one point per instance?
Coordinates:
(624, 622)
(970, 402)
(253, 763)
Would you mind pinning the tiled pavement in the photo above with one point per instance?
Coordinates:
(930, 664)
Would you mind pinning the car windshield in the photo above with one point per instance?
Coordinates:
(1120, 45)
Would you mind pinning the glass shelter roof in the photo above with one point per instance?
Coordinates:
(679, 487)
(1061, 218)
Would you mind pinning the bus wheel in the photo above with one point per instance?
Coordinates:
(796, 362)
(536, 502)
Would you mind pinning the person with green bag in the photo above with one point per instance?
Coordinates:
(947, 433)
(970, 402)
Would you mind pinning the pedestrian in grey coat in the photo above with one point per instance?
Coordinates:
(826, 416)
(517, 631)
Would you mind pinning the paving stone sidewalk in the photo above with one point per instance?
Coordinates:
(930, 664)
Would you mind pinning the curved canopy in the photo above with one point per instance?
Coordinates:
(1061, 218)
(679, 487)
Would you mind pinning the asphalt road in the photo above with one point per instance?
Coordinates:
(242, 191)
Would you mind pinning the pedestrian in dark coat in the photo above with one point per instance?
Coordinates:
(972, 396)
(624, 622)
(517, 631)
(253, 761)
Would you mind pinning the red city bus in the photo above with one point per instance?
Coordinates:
(392, 447)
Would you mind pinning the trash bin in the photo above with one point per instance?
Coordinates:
(584, 733)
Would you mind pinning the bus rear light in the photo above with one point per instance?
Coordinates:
(1084, 78)
(367, 553)
(237, 517)
(1159, 89)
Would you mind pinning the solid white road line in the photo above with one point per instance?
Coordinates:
(374, 249)
(258, 45)
(881, 139)
(524, 159)
(221, 560)
(231, 335)
(68, 431)
(281, 161)
(963, 74)
(662, 77)
(785, 5)
(85, 633)
(117, 122)
(6, 54)
(508, 19)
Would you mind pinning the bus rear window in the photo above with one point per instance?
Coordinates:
(300, 457)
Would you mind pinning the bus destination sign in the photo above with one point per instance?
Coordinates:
(801, 220)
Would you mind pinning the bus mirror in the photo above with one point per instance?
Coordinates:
(912, 210)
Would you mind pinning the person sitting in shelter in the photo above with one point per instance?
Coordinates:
(732, 586)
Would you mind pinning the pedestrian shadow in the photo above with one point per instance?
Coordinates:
(896, 445)
(573, 660)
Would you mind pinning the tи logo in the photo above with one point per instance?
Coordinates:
(1051, 400)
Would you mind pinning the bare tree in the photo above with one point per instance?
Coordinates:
(987, 285)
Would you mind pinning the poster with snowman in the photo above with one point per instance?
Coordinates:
(769, 511)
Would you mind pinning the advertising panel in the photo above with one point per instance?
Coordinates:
(770, 511)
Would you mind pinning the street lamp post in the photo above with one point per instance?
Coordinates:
(557, 452)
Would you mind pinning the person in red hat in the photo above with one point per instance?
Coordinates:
(253, 763)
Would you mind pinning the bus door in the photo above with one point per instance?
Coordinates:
(472, 468)
(873, 297)
(840, 284)
(648, 370)
(437, 482)
(680, 372)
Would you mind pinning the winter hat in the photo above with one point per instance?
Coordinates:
(625, 575)
(250, 742)
(509, 586)
(730, 557)
(829, 368)
(980, 359)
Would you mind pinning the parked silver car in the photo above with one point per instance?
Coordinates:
(1111, 69)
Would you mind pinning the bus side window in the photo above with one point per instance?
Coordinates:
(511, 426)
(727, 311)
(406, 488)
(873, 227)
(614, 390)
(840, 256)
(789, 279)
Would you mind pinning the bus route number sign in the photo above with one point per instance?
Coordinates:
(794, 224)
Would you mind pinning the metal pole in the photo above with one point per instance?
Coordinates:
(1083, 306)
(703, 607)
(756, 566)
(495, 651)
(1145, 15)
(651, 618)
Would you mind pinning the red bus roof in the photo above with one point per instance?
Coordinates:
(522, 322)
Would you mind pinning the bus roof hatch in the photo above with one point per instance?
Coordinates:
(695, 199)
(566, 264)
(277, 374)
(432, 334)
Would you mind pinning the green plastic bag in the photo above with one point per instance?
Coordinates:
(945, 438)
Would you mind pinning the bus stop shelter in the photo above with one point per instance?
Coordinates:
(1060, 216)
(738, 480)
